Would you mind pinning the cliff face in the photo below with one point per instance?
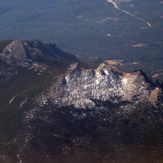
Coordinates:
(80, 86)
(18, 55)
(24, 53)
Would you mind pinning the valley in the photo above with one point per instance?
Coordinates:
(90, 29)
(116, 6)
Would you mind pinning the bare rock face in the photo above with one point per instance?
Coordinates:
(79, 87)
(33, 54)
(25, 53)
(16, 52)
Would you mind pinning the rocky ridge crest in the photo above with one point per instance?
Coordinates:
(79, 86)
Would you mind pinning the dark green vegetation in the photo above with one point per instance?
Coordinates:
(27, 84)
(69, 135)
(81, 27)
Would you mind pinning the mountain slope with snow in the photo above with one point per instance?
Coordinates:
(106, 82)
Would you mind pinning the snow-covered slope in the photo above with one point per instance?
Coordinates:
(79, 86)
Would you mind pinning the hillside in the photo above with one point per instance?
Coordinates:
(54, 109)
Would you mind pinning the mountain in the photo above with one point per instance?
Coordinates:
(18, 55)
(54, 109)
(23, 53)
(80, 86)
(26, 69)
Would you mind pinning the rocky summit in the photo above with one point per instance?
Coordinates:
(16, 56)
(80, 87)
(26, 53)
